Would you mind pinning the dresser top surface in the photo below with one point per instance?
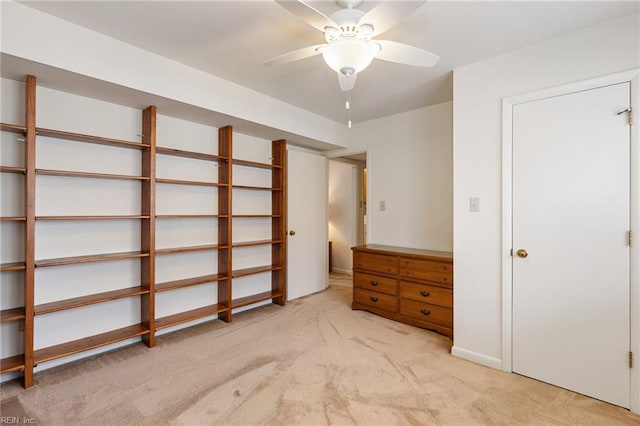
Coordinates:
(393, 250)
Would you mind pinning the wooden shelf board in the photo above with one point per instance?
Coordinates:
(88, 343)
(12, 363)
(91, 299)
(13, 128)
(254, 270)
(255, 298)
(256, 188)
(190, 154)
(187, 249)
(256, 216)
(89, 217)
(256, 164)
(89, 258)
(187, 216)
(255, 243)
(13, 169)
(79, 137)
(188, 182)
(172, 285)
(15, 266)
(13, 314)
(191, 315)
(70, 173)
(13, 218)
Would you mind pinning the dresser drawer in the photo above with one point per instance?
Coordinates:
(375, 283)
(375, 262)
(427, 294)
(427, 312)
(375, 299)
(429, 270)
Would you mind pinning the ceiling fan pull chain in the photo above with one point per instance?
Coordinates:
(347, 105)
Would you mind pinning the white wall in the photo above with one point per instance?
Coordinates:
(409, 165)
(343, 199)
(478, 92)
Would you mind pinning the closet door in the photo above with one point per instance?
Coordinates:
(571, 252)
(307, 223)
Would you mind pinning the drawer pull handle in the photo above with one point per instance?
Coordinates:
(373, 299)
(425, 293)
(373, 283)
(426, 312)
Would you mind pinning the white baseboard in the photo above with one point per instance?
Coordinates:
(342, 271)
(477, 358)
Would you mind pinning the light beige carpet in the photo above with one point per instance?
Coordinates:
(313, 362)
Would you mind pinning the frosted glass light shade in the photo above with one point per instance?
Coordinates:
(349, 56)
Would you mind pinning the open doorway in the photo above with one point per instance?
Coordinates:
(347, 209)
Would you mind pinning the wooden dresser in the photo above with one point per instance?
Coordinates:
(407, 285)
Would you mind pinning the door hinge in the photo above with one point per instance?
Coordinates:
(630, 359)
(511, 253)
(629, 112)
(630, 238)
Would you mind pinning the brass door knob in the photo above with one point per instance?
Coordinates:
(292, 232)
(522, 253)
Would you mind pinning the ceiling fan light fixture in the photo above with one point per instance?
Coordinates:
(349, 56)
(365, 31)
(331, 34)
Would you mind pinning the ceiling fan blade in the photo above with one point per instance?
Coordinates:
(347, 83)
(307, 13)
(393, 51)
(388, 14)
(296, 55)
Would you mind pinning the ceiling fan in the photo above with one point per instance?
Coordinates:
(349, 33)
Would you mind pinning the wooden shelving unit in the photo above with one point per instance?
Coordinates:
(221, 307)
(277, 268)
(16, 363)
(144, 328)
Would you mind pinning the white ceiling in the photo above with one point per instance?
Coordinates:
(231, 39)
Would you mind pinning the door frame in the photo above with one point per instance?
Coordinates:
(366, 183)
(633, 77)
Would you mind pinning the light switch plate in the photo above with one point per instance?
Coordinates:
(474, 204)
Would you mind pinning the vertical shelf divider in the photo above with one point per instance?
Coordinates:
(279, 221)
(225, 171)
(30, 228)
(148, 226)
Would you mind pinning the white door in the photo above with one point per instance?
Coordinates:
(307, 250)
(571, 213)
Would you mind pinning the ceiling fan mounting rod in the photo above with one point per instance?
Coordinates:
(348, 4)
